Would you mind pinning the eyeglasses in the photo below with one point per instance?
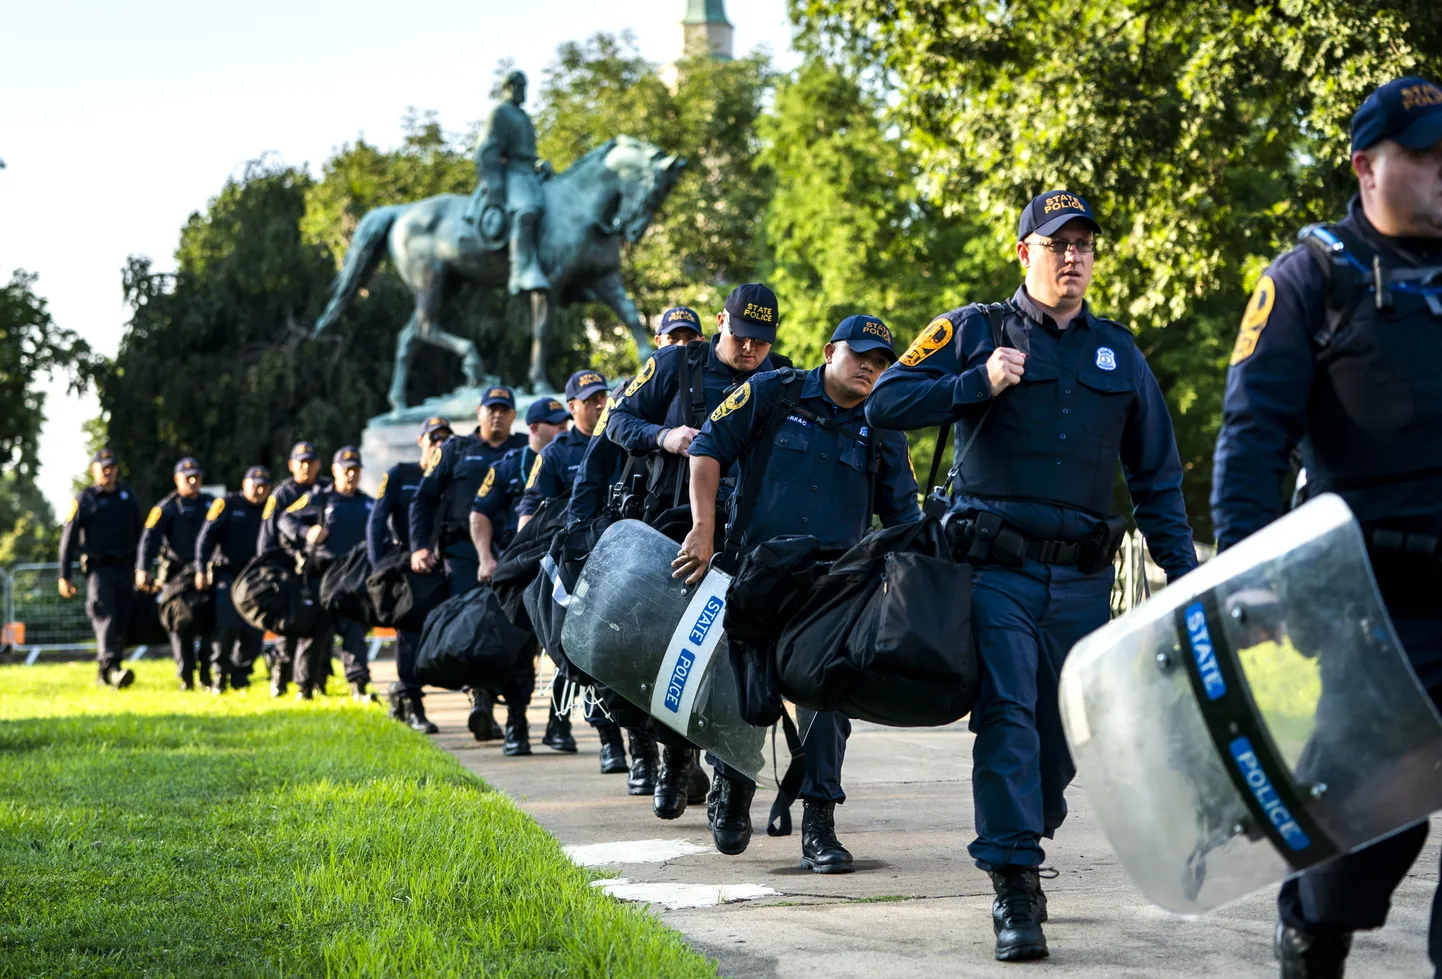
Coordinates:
(1059, 248)
(436, 438)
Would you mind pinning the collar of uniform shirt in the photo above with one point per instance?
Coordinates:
(1416, 250)
(1028, 307)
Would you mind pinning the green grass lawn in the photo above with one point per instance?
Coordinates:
(158, 833)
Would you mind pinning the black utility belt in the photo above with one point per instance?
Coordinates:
(981, 537)
(108, 560)
(1394, 545)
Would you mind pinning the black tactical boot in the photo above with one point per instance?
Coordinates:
(642, 780)
(672, 782)
(304, 693)
(480, 722)
(1016, 915)
(416, 715)
(118, 677)
(360, 693)
(558, 733)
(218, 687)
(613, 752)
(697, 784)
(728, 810)
(278, 685)
(821, 851)
(205, 678)
(396, 698)
(1304, 956)
(187, 681)
(518, 733)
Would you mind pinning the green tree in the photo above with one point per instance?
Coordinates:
(1204, 133)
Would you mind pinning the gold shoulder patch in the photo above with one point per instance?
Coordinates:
(152, 518)
(74, 509)
(1254, 320)
(269, 510)
(937, 334)
(299, 504)
(643, 377)
(216, 509)
(487, 483)
(605, 417)
(535, 471)
(737, 398)
(381, 490)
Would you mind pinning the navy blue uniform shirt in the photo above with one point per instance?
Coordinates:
(232, 525)
(344, 518)
(817, 480)
(281, 497)
(554, 470)
(171, 530)
(465, 459)
(601, 466)
(501, 491)
(1046, 457)
(105, 527)
(390, 518)
(1374, 416)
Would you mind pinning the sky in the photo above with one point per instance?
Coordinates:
(118, 120)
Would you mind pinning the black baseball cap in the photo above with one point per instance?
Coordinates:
(302, 452)
(582, 384)
(862, 333)
(347, 456)
(754, 312)
(680, 318)
(259, 474)
(547, 410)
(435, 423)
(499, 395)
(1048, 212)
(103, 457)
(1407, 111)
(188, 467)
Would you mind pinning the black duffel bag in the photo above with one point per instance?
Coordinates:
(521, 559)
(271, 595)
(400, 598)
(468, 641)
(144, 627)
(185, 608)
(548, 595)
(343, 591)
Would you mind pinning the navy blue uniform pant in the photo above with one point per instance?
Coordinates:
(236, 642)
(1024, 622)
(1354, 892)
(823, 751)
(312, 661)
(109, 595)
(407, 645)
(190, 648)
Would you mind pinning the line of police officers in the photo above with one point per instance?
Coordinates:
(1338, 353)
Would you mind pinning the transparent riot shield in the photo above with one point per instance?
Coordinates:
(1256, 718)
(659, 643)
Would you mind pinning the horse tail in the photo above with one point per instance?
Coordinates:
(367, 248)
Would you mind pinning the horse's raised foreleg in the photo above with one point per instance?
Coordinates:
(540, 340)
(404, 343)
(612, 292)
(428, 329)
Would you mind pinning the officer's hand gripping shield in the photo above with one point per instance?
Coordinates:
(659, 643)
(1254, 719)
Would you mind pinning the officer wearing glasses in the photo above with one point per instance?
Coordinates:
(1053, 408)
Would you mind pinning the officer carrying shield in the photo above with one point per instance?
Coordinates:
(1051, 410)
(171, 530)
(827, 472)
(389, 527)
(225, 545)
(103, 526)
(1338, 351)
(494, 506)
(331, 522)
(305, 475)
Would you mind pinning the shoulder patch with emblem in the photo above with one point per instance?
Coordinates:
(216, 509)
(152, 518)
(938, 334)
(605, 417)
(269, 510)
(647, 370)
(487, 483)
(381, 490)
(299, 504)
(737, 398)
(1254, 320)
(535, 471)
(74, 509)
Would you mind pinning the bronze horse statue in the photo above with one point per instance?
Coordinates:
(613, 191)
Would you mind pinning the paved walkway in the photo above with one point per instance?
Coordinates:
(916, 905)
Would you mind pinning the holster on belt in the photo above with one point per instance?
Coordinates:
(1099, 548)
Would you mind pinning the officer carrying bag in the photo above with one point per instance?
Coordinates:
(468, 641)
(271, 595)
(343, 587)
(185, 608)
(400, 597)
(521, 559)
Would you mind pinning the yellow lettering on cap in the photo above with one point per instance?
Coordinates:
(1062, 202)
(591, 379)
(498, 393)
(876, 329)
(535, 471)
(1254, 320)
(761, 314)
(74, 509)
(680, 314)
(556, 405)
(938, 334)
(642, 377)
(738, 398)
(216, 509)
(1420, 96)
(152, 518)
(487, 483)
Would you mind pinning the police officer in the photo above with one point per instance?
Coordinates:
(103, 525)
(554, 471)
(1338, 351)
(305, 475)
(1051, 408)
(170, 533)
(818, 481)
(332, 522)
(660, 413)
(232, 527)
(493, 506)
(389, 527)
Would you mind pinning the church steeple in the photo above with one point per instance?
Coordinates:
(706, 24)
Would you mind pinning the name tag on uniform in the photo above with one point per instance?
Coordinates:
(688, 655)
(798, 420)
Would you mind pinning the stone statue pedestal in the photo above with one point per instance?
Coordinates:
(391, 438)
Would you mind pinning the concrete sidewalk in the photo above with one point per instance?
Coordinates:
(916, 905)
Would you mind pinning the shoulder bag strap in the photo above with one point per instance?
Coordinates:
(994, 315)
(750, 488)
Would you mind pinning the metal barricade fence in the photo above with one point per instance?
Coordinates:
(37, 618)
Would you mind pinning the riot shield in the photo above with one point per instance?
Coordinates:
(1255, 718)
(659, 643)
